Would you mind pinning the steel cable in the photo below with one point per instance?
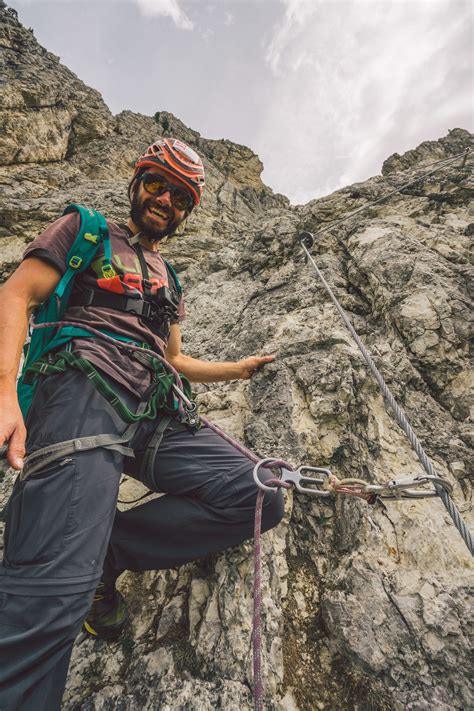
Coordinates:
(399, 414)
(440, 163)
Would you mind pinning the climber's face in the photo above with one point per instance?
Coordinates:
(159, 203)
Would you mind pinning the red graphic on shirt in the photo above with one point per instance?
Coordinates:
(114, 284)
(129, 283)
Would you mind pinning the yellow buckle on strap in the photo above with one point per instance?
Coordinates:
(108, 271)
(75, 262)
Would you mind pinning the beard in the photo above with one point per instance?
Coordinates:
(146, 225)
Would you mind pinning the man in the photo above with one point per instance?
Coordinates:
(64, 540)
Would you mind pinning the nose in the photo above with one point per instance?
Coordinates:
(165, 198)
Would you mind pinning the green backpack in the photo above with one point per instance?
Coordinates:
(92, 233)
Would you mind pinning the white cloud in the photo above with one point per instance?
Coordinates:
(166, 8)
(207, 34)
(229, 19)
(297, 12)
(358, 80)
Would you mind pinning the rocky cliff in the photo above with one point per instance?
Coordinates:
(364, 607)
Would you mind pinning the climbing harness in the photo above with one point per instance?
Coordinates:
(48, 351)
(156, 306)
(158, 399)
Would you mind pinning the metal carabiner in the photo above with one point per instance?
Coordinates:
(401, 488)
(190, 409)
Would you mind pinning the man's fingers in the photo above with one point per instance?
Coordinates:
(261, 361)
(16, 448)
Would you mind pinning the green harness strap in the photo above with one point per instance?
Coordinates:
(161, 398)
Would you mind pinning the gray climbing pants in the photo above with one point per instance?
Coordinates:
(63, 529)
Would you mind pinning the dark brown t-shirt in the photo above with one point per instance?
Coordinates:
(53, 245)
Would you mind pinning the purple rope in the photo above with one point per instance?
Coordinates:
(257, 596)
(239, 447)
(257, 585)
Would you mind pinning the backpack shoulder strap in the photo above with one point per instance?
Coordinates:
(173, 278)
(93, 231)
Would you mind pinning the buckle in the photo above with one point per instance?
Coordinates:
(75, 261)
(139, 307)
(147, 311)
(147, 286)
(134, 306)
(108, 272)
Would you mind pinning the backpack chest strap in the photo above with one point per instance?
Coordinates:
(119, 302)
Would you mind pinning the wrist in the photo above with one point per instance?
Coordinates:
(8, 387)
(235, 370)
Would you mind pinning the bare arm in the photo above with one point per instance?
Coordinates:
(29, 286)
(199, 371)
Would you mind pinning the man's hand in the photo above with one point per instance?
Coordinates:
(13, 431)
(248, 366)
(29, 286)
(199, 371)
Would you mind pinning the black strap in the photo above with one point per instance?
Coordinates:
(139, 251)
(108, 300)
(148, 462)
(147, 285)
(141, 258)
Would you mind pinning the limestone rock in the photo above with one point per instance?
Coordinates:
(456, 141)
(46, 111)
(363, 607)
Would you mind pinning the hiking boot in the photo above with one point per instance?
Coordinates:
(108, 614)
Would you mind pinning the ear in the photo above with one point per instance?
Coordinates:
(131, 188)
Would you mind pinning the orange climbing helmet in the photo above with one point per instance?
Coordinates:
(177, 159)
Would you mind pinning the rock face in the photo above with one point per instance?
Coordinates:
(363, 607)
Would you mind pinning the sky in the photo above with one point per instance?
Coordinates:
(322, 90)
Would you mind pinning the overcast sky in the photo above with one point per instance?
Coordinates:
(322, 90)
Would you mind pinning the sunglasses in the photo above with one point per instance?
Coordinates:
(157, 185)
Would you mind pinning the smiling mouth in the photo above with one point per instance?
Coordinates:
(157, 212)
